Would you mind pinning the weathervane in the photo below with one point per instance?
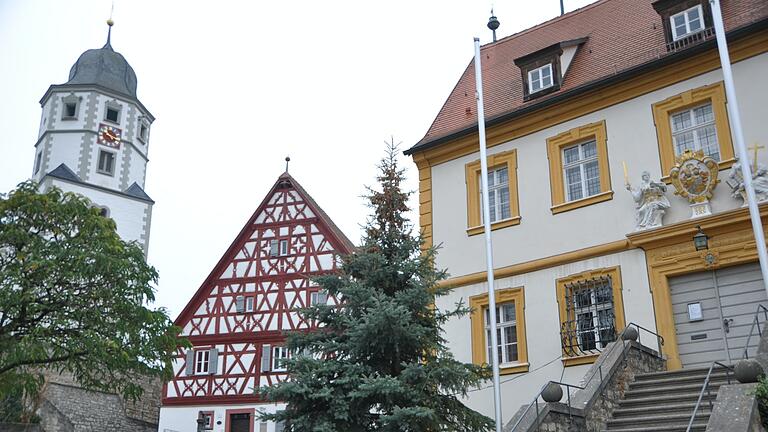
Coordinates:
(287, 159)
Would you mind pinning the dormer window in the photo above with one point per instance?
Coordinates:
(687, 22)
(544, 71)
(143, 130)
(540, 78)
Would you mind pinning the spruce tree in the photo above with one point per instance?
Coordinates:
(379, 361)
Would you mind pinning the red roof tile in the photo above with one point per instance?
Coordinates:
(622, 34)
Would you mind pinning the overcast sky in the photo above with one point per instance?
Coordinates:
(237, 86)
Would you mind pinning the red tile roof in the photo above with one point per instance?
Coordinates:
(622, 34)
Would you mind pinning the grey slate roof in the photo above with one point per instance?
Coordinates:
(106, 68)
(63, 172)
(135, 190)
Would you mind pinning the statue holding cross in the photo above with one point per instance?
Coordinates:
(759, 178)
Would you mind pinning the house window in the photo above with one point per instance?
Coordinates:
(591, 313)
(694, 129)
(106, 162)
(249, 302)
(540, 78)
(202, 361)
(696, 119)
(506, 333)
(38, 161)
(112, 112)
(578, 167)
(279, 355)
(510, 330)
(687, 22)
(283, 247)
(208, 417)
(502, 192)
(581, 170)
(318, 297)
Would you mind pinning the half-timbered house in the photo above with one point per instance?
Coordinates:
(237, 319)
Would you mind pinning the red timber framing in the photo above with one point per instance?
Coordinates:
(250, 298)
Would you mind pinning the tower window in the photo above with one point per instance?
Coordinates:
(104, 211)
(38, 161)
(106, 162)
(70, 105)
(112, 112)
(143, 131)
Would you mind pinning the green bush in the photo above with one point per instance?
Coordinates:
(761, 392)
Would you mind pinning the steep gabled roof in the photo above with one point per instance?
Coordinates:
(621, 35)
(341, 243)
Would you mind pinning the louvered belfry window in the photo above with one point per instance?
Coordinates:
(591, 323)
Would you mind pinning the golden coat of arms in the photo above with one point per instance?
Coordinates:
(694, 177)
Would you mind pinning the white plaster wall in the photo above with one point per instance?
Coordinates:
(138, 167)
(65, 149)
(184, 418)
(631, 138)
(127, 213)
(542, 325)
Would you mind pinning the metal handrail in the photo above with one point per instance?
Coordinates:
(536, 401)
(755, 321)
(659, 338)
(705, 387)
(597, 372)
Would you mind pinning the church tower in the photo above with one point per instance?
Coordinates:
(94, 140)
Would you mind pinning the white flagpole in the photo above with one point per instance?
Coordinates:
(487, 226)
(738, 134)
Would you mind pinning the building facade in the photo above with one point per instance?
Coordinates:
(577, 108)
(237, 318)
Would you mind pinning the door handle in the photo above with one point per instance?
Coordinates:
(727, 324)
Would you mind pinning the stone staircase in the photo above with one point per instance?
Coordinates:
(664, 401)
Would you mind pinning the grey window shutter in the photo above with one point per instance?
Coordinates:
(322, 297)
(273, 248)
(240, 304)
(190, 362)
(266, 358)
(213, 361)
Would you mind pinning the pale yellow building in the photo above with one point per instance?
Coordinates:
(568, 103)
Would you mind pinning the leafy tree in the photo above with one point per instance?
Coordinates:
(379, 362)
(74, 296)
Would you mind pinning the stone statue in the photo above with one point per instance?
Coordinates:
(651, 203)
(759, 182)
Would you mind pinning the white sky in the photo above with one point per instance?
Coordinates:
(236, 86)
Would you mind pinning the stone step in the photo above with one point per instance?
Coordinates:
(719, 377)
(669, 390)
(656, 400)
(660, 408)
(697, 427)
(700, 371)
(652, 421)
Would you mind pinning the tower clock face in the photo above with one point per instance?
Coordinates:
(109, 136)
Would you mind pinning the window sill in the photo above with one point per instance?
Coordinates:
(722, 165)
(68, 118)
(572, 205)
(116, 123)
(513, 368)
(580, 360)
(105, 173)
(494, 226)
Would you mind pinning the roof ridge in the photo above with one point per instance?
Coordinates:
(548, 22)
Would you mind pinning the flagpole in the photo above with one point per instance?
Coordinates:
(487, 228)
(738, 134)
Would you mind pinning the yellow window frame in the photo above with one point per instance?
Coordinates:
(618, 305)
(478, 304)
(555, 146)
(713, 93)
(472, 177)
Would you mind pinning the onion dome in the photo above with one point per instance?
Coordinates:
(106, 68)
